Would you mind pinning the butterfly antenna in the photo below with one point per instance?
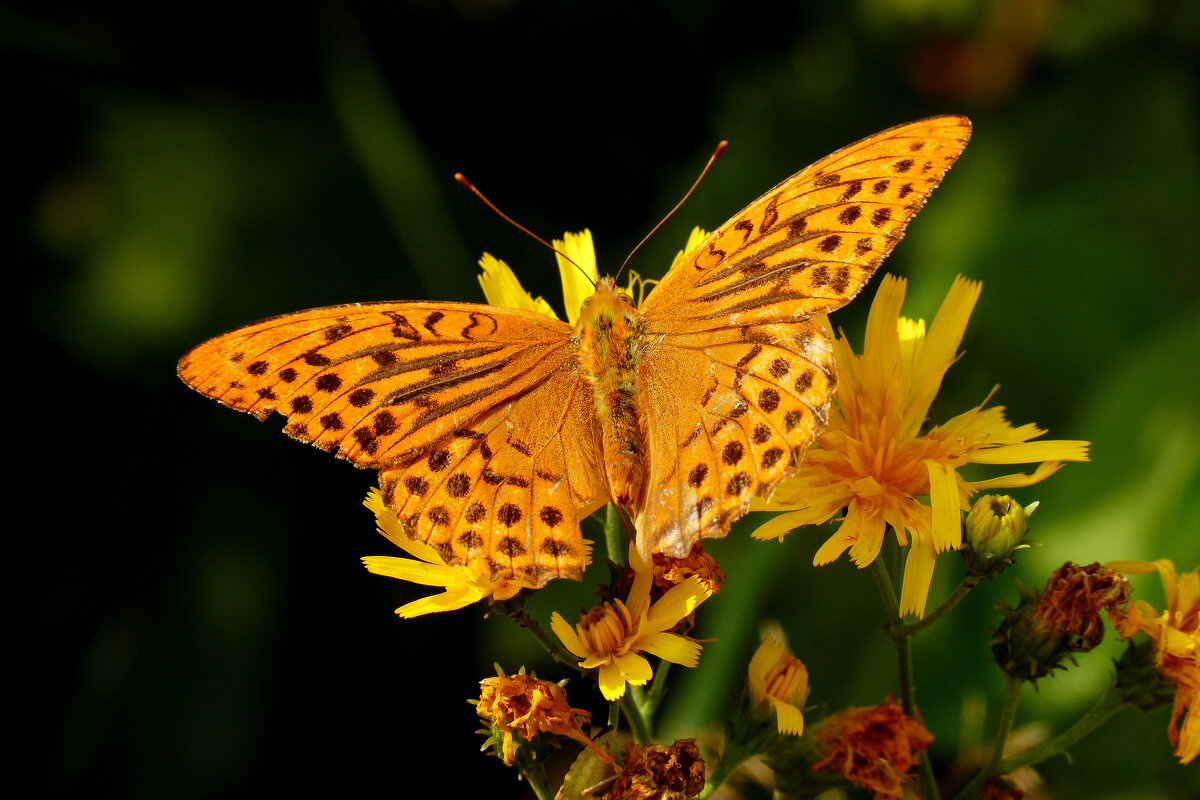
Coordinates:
(458, 176)
(720, 149)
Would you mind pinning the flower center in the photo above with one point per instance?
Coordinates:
(607, 628)
(785, 678)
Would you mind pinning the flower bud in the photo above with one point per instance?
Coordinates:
(996, 526)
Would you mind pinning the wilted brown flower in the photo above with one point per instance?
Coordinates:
(659, 772)
(1075, 596)
(526, 705)
(873, 747)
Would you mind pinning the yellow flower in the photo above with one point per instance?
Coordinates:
(464, 584)
(779, 678)
(576, 258)
(612, 636)
(873, 460)
(1176, 636)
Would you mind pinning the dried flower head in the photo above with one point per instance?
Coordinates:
(1075, 596)
(659, 772)
(525, 706)
(873, 747)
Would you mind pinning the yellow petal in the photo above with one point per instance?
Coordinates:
(671, 647)
(1030, 452)
(697, 236)
(567, 635)
(944, 498)
(1019, 479)
(450, 600)
(501, 288)
(788, 718)
(579, 275)
(676, 603)
(918, 574)
(407, 569)
(764, 658)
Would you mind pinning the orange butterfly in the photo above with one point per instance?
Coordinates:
(496, 430)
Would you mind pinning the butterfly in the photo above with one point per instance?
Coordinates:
(495, 431)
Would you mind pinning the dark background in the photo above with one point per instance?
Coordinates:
(194, 618)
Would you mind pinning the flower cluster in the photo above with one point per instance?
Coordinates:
(878, 464)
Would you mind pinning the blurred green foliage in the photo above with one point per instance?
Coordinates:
(207, 629)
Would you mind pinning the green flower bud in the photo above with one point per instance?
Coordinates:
(996, 525)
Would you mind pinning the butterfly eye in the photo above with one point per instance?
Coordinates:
(625, 297)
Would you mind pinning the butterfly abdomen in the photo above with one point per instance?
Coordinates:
(609, 330)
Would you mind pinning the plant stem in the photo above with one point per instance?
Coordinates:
(637, 722)
(1008, 718)
(614, 539)
(527, 621)
(969, 583)
(536, 775)
(902, 638)
(1108, 705)
(733, 756)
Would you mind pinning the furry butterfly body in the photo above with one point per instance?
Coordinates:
(495, 431)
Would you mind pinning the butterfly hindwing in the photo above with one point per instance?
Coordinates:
(756, 397)
(512, 486)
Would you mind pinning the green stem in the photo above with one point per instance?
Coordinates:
(637, 722)
(733, 756)
(969, 583)
(1008, 718)
(1108, 705)
(536, 775)
(902, 639)
(614, 535)
(527, 621)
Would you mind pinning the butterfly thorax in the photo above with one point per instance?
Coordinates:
(609, 334)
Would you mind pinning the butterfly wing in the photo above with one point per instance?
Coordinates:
(738, 375)
(448, 401)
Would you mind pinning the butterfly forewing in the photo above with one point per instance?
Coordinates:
(448, 400)
(742, 380)
(811, 243)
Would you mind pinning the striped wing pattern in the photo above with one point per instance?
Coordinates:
(737, 311)
(423, 391)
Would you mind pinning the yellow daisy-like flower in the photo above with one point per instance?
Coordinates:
(612, 636)
(1176, 636)
(576, 258)
(463, 584)
(873, 460)
(778, 678)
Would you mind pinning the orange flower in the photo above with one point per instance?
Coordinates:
(873, 747)
(526, 705)
(1176, 636)
(874, 461)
